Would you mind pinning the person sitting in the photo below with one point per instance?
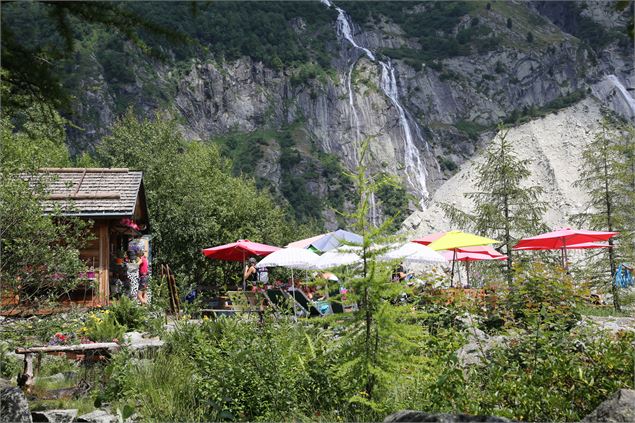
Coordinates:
(399, 274)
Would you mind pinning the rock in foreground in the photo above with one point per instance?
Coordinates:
(619, 408)
(13, 404)
(418, 416)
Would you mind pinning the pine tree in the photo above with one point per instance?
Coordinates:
(378, 339)
(504, 208)
(608, 174)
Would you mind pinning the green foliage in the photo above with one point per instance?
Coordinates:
(35, 144)
(35, 264)
(299, 169)
(471, 128)
(393, 200)
(549, 376)
(447, 164)
(36, 36)
(128, 313)
(432, 27)
(161, 389)
(103, 327)
(194, 200)
(528, 113)
(530, 37)
(542, 295)
(608, 175)
(9, 365)
(379, 337)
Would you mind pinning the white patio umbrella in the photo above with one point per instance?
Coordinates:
(414, 253)
(335, 258)
(290, 258)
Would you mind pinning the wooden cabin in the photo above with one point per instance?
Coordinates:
(114, 200)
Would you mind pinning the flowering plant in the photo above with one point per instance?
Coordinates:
(102, 327)
(59, 339)
(129, 223)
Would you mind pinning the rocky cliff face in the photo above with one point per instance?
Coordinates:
(448, 105)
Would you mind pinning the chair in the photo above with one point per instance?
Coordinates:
(336, 305)
(278, 300)
(304, 302)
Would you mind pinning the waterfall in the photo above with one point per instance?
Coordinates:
(373, 209)
(415, 171)
(622, 90)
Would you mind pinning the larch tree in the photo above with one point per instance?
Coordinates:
(505, 207)
(608, 175)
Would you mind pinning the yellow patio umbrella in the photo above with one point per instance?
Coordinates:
(458, 239)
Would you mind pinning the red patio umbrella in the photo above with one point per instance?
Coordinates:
(429, 238)
(562, 239)
(238, 251)
(480, 253)
(583, 246)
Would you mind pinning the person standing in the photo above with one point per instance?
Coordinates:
(132, 271)
(142, 294)
(250, 275)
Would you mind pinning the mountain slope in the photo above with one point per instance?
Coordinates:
(554, 145)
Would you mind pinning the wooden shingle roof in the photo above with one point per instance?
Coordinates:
(92, 192)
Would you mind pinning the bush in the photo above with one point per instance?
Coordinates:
(128, 313)
(9, 365)
(103, 327)
(552, 376)
(470, 128)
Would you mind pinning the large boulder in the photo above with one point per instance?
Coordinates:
(55, 416)
(98, 416)
(478, 346)
(13, 404)
(419, 416)
(619, 408)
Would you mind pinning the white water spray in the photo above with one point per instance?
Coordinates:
(623, 91)
(416, 174)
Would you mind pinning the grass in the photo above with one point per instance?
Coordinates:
(601, 311)
(83, 405)
(524, 20)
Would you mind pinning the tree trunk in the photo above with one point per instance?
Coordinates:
(609, 224)
(508, 242)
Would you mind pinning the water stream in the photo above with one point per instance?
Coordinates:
(415, 171)
(623, 91)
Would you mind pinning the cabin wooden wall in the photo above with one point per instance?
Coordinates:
(97, 254)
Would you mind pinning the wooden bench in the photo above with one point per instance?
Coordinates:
(27, 378)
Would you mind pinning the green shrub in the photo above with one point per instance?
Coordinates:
(447, 164)
(9, 365)
(103, 327)
(470, 128)
(128, 313)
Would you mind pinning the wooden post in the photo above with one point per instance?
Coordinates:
(26, 380)
(104, 264)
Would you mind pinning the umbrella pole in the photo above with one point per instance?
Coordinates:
(452, 274)
(564, 255)
(467, 272)
(293, 296)
(244, 280)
